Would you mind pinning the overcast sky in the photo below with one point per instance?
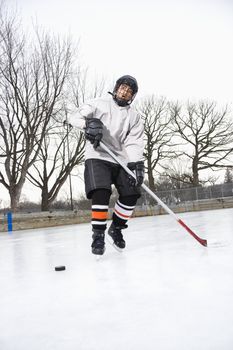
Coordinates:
(181, 49)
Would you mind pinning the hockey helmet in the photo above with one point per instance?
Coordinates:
(132, 83)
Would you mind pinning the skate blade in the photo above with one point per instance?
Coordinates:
(111, 242)
(99, 256)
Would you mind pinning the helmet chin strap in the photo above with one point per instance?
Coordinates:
(121, 103)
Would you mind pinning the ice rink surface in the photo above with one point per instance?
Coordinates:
(165, 292)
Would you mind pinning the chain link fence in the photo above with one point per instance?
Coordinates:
(175, 197)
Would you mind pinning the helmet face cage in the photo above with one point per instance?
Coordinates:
(132, 83)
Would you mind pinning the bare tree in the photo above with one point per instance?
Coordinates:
(207, 135)
(32, 80)
(61, 151)
(158, 135)
(60, 157)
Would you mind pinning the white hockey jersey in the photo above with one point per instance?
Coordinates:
(122, 131)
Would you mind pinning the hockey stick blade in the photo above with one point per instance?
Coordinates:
(200, 240)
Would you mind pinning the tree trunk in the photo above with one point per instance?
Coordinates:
(44, 198)
(15, 193)
(44, 201)
(150, 177)
(195, 172)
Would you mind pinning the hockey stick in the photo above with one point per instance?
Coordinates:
(152, 194)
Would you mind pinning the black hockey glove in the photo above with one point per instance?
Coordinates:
(139, 169)
(94, 131)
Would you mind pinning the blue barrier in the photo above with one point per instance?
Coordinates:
(9, 221)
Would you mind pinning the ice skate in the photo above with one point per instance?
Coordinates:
(115, 236)
(98, 245)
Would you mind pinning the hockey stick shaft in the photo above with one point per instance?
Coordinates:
(157, 199)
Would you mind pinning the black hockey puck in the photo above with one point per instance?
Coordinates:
(60, 268)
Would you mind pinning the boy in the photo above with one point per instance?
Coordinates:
(118, 124)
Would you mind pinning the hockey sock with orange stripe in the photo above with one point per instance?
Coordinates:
(99, 215)
(123, 210)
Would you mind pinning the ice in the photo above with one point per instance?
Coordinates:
(164, 292)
